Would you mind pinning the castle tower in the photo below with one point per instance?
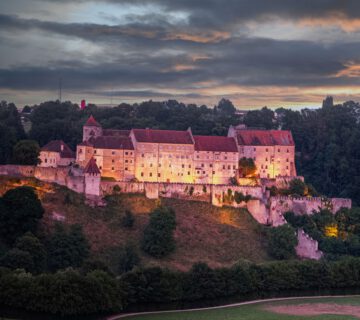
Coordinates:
(91, 129)
(92, 178)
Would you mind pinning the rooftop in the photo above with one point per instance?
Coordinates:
(162, 136)
(265, 137)
(91, 122)
(60, 147)
(92, 167)
(215, 143)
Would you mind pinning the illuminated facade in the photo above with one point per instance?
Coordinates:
(158, 155)
(56, 154)
(273, 151)
(172, 156)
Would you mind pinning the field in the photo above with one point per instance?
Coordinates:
(339, 308)
(228, 234)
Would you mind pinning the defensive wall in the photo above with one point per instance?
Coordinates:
(265, 209)
(307, 247)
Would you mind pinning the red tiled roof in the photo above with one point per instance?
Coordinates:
(108, 142)
(115, 132)
(215, 143)
(162, 136)
(264, 137)
(60, 147)
(91, 122)
(92, 167)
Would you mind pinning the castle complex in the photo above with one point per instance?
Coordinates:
(169, 156)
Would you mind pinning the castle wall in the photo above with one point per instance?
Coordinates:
(220, 194)
(307, 247)
(303, 205)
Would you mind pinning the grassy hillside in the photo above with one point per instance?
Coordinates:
(217, 236)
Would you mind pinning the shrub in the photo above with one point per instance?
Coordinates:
(282, 242)
(128, 220)
(158, 240)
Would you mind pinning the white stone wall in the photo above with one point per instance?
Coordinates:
(307, 247)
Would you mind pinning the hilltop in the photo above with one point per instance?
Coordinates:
(218, 236)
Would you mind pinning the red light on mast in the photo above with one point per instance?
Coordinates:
(83, 104)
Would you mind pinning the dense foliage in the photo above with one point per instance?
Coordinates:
(26, 152)
(20, 212)
(158, 240)
(337, 234)
(11, 130)
(282, 241)
(98, 291)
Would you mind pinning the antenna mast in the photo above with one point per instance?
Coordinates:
(60, 88)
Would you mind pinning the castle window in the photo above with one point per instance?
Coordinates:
(150, 165)
(278, 150)
(224, 167)
(210, 165)
(287, 167)
(189, 165)
(234, 167)
(188, 173)
(126, 161)
(113, 152)
(100, 167)
(287, 150)
(198, 172)
(112, 160)
(203, 172)
(266, 159)
(266, 167)
(213, 172)
(202, 165)
(197, 157)
(80, 150)
(142, 174)
(183, 166)
(159, 175)
(95, 151)
(131, 153)
(45, 160)
(142, 155)
(142, 165)
(159, 165)
(254, 149)
(267, 150)
(126, 169)
(126, 153)
(150, 174)
(287, 160)
(229, 167)
(225, 158)
(112, 168)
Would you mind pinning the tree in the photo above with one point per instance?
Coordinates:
(297, 187)
(21, 211)
(67, 248)
(128, 259)
(26, 152)
(128, 220)
(158, 239)
(282, 241)
(17, 259)
(247, 167)
(226, 106)
(263, 118)
(32, 245)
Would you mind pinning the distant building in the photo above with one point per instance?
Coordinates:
(56, 154)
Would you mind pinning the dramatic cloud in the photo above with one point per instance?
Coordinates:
(254, 52)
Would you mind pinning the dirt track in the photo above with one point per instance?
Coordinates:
(315, 309)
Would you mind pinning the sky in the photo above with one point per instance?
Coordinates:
(278, 53)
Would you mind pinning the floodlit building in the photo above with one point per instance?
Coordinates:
(174, 156)
(56, 154)
(273, 151)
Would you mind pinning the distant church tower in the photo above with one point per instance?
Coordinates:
(328, 102)
(91, 129)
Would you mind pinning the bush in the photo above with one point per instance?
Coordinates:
(128, 259)
(282, 242)
(158, 240)
(20, 212)
(128, 220)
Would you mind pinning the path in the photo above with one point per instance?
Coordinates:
(125, 315)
